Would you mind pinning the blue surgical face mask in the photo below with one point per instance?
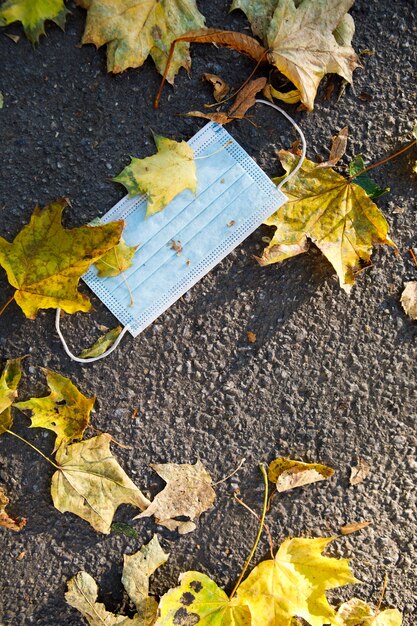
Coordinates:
(234, 197)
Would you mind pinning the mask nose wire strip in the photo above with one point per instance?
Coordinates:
(91, 359)
(299, 131)
(126, 328)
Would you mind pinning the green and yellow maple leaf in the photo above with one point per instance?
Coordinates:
(91, 484)
(306, 39)
(9, 382)
(356, 612)
(45, 261)
(102, 344)
(198, 600)
(82, 589)
(161, 176)
(116, 260)
(33, 14)
(294, 584)
(66, 410)
(133, 30)
(333, 212)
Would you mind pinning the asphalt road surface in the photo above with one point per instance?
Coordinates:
(331, 377)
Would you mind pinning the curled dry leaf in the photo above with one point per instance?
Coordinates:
(409, 299)
(33, 14)
(66, 410)
(83, 591)
(188, 493)
(245, 99)
(306, 39)
(46, 261)
(348, 529)
(220, 87)
(356, 612)
(135, 30)
(163, 175)
(5, 520)
(334, 213)
(9, 382)
(251, 336)
(338, 149)
(359, 472)
(137, 569)
(102, 344)
(91, 484)
(288, 474)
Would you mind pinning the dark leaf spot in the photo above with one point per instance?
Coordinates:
(183, 618)
(196, 586)
(187, 598)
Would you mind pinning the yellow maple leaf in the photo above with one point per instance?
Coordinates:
(91, 483)
(133, 30)
(198, 600)
(9, 382)
(356, 612)
(33, 15)
(66, 411)
(116, 260)
(333, 212)
(294, 584)
(163, 175)
(45, 261)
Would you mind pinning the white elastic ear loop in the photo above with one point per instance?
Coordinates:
(299, 131)
(91, 359)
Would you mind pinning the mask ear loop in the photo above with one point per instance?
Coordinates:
(299, 131)
(126, 328)
(91, 359)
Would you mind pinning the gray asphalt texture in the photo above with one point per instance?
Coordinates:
(331, 377)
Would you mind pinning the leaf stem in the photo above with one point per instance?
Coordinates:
(34, 448)
(392, 156)
(258, 536)
(254, 513)
(6, 305)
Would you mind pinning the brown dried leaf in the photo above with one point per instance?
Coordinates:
(354, 527)
(409, 299)
(359, 472)
(188, 493)
(245, 44)
(251, 336)
(220, 87)
(5, 520)
(244, 100)
(338, 148)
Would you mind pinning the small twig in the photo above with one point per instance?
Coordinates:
(6, 305)
(410, 145)
(113, 440)
(258, 536)
(271, 497)
(413, 256)
(383, 590)
(254, 513)
(235, 471)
